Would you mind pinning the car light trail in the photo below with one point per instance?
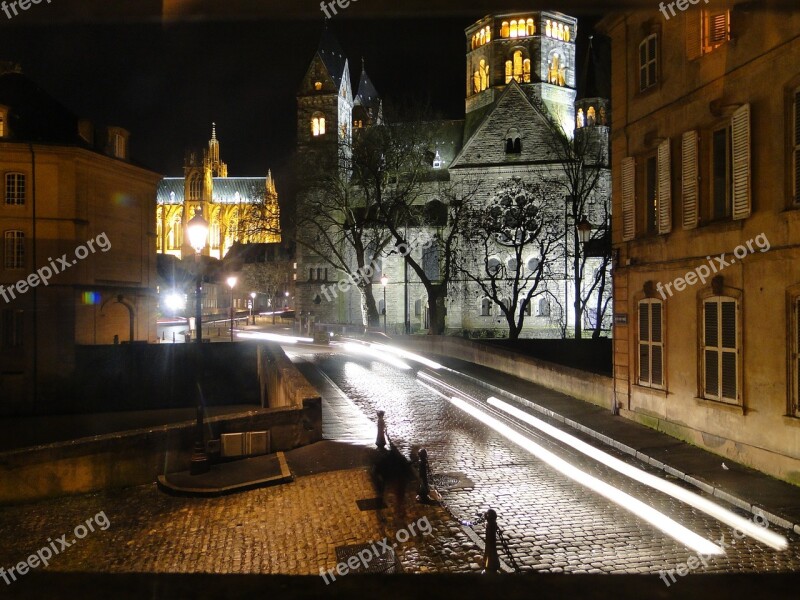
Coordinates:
(637, 507)
(770, 538)
(374, 353)
(408, 355)
(274, 337)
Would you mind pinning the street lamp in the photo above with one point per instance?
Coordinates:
(286, 302)
(384, 281)
(231, 284)
(584, 230)
(197, 228)
(252, 306)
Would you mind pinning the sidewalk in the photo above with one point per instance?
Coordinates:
(737, 484)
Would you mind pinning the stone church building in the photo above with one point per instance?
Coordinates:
(517, 65)
(223, 201)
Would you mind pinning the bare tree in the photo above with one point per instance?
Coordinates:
(268, 278)
(506, 241)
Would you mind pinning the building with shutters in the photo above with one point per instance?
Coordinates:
(519, 66)
(706, 228)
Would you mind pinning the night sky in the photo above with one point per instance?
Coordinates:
(167, 83)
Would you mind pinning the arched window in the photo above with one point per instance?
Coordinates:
(483, 37)
(488, 34)
(318, 124)
(213, 234)
(159, 229)
(532, 264)
(511, 264)
(521, 28)
(418, 308)
(476, 81)
(509, 71)
(513, 141)
(494, 266)
(590, 116)
(518, 65)
(513, 32)
(14, 249)
(543, 308)
(484, 75)
(486, 307)
(579, 118)
(530, 27)
(195, 187)
(318, 85)
(177, 233)
(504, 29)
(526, 70)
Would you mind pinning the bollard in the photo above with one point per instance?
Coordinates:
(381, 441)
(173, 337)
(424, 489)
(162, 335)
(491, 562)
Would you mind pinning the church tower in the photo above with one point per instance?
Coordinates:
(367, 106)
(536, 49)
(324, 138)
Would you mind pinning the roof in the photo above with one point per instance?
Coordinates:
(34, 115)
(367, 95)
(332, 55)
(171, 189)
(596, 79)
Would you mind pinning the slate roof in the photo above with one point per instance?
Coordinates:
(367, 96)
(332, 55)
(171, 189)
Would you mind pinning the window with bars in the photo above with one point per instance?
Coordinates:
(721, 349)
(651, 343)
(14, 250)
(15, 189)
(716, 29)
(648, 62)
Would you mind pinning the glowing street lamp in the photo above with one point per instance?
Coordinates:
(231, 283)
(197, 228)
(252, 306)
(384, 281)
(584, 230)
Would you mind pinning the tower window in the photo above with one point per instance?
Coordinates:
(513, 32)
(513, 141)
(318, 125)
(591, 116)
(518, 65)
(521, 29)
(526, 70)
(504, 29)
(530, 27)
(579, 118)
(484, 75)
(556, 73)
(195, 187)
(318, 85)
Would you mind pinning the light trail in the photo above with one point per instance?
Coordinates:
(374, 353)
(637, 507)
(770, 538)
(408, 355)
(273, 337)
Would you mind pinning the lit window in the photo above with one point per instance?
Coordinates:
(318, 85)
(488, 34)
(526, 70)
(509, 71)
(648, 60)
(591, 116)
(548, 29)
(521, 28)
(651, 343)
(518, 65)
(504, 29)
(716, 29)
(513, 33)
(530, 27)
(721, 349)
(317, 125)
(119, 146)
(3, 119)
(14, 250)
(484, 75)
(476, 81)
(195, 187)
(15, 189)
(579, 119)
(482, 38)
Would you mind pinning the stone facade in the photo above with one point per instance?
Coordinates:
(703, 138)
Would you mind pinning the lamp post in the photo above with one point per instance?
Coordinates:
(252, 306)
(384, 281)
(584, 230)
(286, 302)
(231, 283)
(197, 228)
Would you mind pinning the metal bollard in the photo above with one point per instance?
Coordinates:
(424, 489)
(173, 337)
(380, 442)
(491, 562)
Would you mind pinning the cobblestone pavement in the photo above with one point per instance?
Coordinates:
(553, 523)
(288, 529)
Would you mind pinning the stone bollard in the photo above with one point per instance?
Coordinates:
(380, 442)
(491, 562)
(424, 488)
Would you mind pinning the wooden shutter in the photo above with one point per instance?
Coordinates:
(728, 350)
(664, 193)
(797, 146)
(656, 344)
(710, 348)
(693, 34)
(644, 342)
(740, 150)
(690, 179)
(628, 198)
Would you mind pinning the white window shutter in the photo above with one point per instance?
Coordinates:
(740, 149)
(664, 188)
(628, 198)
(690, 179)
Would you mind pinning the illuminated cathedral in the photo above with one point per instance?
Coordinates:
(238, 209)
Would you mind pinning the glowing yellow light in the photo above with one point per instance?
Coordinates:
(770, 538)
(659, 520)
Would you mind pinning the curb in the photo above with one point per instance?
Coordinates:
(709, 489)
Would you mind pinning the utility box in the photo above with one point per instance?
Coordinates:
(248, 443)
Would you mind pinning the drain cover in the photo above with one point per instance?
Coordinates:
(385, 562)
(443, 481)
